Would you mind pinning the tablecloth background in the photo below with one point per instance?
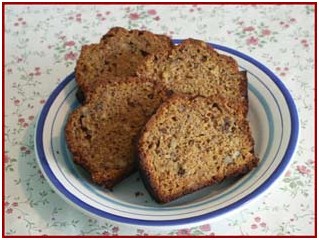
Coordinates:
(42, 44)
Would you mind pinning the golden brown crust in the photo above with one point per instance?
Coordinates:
(244, 89)
(119, 31)
(147, 157)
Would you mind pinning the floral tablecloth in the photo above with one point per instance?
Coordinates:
(42, 44)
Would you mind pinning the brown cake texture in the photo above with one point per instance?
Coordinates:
(176, 113)
(118, 54)
(194, 67)
(100, 134)
(194, 142)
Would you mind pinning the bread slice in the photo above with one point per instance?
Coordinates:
(100, 133)
(118, 54)
(193, 142)
(195, 68)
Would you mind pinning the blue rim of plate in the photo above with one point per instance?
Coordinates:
(79, 203)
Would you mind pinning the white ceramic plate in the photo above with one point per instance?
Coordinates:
(274, 122)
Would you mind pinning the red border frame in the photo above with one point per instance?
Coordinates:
(315, 117)
(157, 3)
(3, 118)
